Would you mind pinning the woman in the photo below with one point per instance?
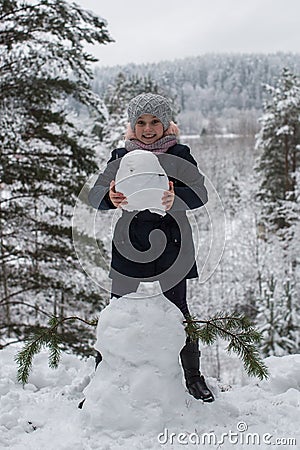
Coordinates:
(148, 246)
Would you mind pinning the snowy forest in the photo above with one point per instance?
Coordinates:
(238, 113)
(60, 117)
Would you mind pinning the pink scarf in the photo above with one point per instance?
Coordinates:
(159, 146)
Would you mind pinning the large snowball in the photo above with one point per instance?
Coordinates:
(138, 385)
(143, 181)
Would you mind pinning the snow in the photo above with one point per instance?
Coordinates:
(140, 375)
(223, 135)
(143, 181)
(136, 399)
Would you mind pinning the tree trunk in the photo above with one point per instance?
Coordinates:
(5, 280)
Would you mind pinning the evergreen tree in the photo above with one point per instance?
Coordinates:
(270, 316)
(278, 319)
(290, 324)
(278, 141)
(45, 159)
(278, 173)
(116, 99)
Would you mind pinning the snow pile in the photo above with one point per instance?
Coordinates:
(136, 399)
(43, 414)
(284, 376)
(140, 375)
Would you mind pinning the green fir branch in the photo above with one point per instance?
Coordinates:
(49, 338)
(237, 329)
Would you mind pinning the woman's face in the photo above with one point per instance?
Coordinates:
(148, 129)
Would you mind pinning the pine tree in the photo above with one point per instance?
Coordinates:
(278, 319)
(116, 99)
(45, 159)
(290, 325)
(278, 141)
(278, 176)
(270, 315)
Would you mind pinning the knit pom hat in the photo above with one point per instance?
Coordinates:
(154, 104)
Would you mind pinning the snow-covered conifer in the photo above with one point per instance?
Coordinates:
(278, 176)
(45, 159)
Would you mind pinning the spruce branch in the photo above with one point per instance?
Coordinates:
(238, 330)
(49, 338)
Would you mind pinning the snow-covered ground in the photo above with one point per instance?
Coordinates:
(136, 398)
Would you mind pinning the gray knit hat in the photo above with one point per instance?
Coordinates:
(154, 104)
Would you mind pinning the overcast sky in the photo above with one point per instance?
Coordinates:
(154, 30)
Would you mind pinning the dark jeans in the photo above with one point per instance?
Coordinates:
(177, 294)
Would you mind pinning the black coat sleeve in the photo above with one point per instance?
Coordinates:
(190, 192)
(99, 194)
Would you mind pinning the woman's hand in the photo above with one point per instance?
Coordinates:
(117, 198)
(168, 197)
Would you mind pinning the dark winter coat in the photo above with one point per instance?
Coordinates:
(136, 253)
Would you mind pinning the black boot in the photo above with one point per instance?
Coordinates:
(195, 382)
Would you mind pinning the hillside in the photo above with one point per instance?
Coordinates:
(212, 85)
(44, 415)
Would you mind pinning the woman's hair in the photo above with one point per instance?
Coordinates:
(173, 129)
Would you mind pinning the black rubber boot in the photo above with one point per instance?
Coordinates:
(195, 382)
